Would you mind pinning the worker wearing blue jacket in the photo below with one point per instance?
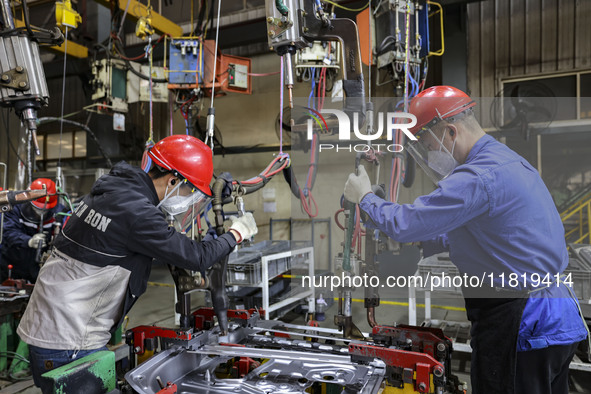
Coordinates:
(28, 229)
(494, 214)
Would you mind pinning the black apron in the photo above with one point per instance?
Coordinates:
(494, 332)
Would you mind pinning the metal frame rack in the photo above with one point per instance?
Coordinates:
(293, 297)
(270, 267)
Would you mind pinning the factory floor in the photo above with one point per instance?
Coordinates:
(156, 307)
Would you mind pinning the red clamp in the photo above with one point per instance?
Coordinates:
(169, 389)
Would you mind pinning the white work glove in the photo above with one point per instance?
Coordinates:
(35, 240)
(245, 226)
(357, 186)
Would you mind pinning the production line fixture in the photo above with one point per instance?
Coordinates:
(266, 356)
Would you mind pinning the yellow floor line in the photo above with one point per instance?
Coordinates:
(160, 284)
(396, 303)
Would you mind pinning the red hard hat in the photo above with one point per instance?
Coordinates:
(48, 201)
(188, 156)
(437, 103)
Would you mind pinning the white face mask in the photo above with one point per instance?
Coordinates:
(165, 204)
(442, 161)
(174, 203)
(175, 206)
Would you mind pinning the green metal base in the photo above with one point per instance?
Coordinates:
(17, 364)
(12, 349)
(92, 374)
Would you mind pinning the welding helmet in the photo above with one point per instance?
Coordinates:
(433, 108)
(50, 200)
(191, 161)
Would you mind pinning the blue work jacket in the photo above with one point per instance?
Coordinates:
(497, 217)
(18, 230)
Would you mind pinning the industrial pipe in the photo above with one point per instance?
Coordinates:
(217, 274)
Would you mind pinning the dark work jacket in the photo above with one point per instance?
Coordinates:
(118, 224)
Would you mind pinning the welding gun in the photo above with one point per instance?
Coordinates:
(296, 24)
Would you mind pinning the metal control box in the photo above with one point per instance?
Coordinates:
(186, 64)
(21, 70)
(110, 83)
(283, 26)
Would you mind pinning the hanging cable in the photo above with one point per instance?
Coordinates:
(170, 111)
(370, 52)
(211, 111)
(123, 19)
(358, 231)
(346, 8)
(396, 173)
(315, 101)
(192, 12)
(58, 175)
(280, 163)
(149, 54)
(281, 107)
(406, 57)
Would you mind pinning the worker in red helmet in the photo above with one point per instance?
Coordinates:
(493, 213)
(27, 232)
(101, 261)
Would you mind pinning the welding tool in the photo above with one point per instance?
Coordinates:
(241, 212)
(344, 318)
(296, 24)
(288, 82)
(40, 245)
(9, 198)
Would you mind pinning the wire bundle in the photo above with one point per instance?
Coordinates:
(278, 164)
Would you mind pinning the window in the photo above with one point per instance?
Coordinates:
(71, 145)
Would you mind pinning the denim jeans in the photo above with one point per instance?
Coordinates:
(44, 360)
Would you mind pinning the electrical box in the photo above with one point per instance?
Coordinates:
(110, 83)
(159, 90)
(138, 89)
(238, 76)
(320, 54)
(186, 64)
(234, 74)
(191, 64)
(283, 24)
(391, 30)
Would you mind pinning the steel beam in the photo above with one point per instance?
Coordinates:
(74, 49)
(137, 10)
